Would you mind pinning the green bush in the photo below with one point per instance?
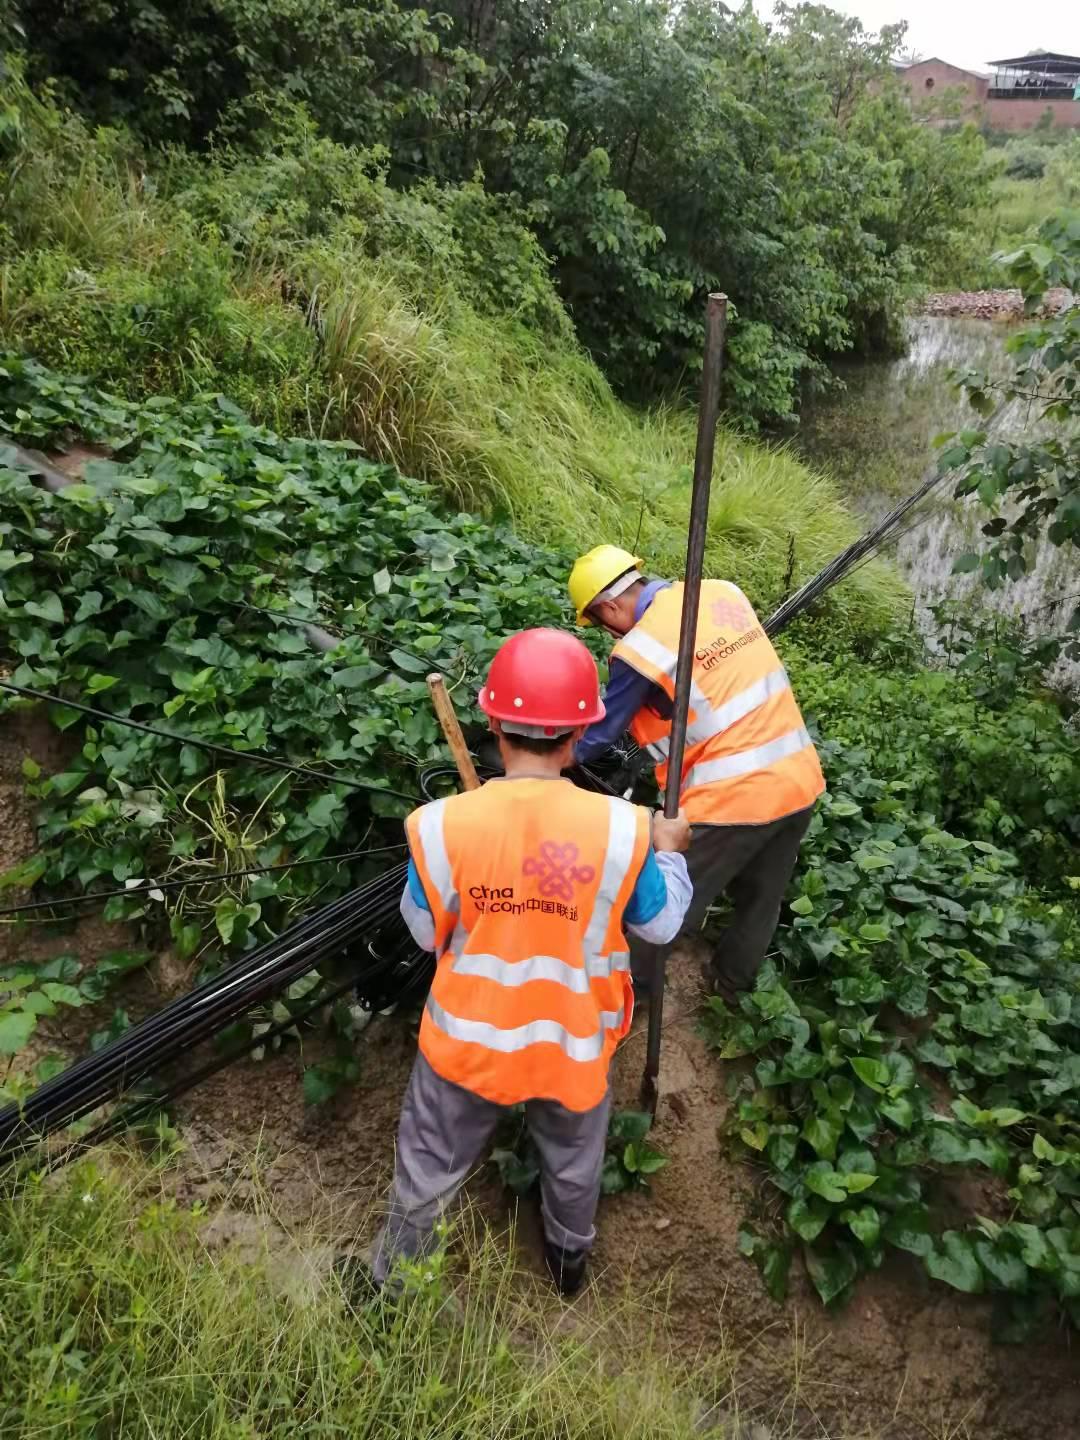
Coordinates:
(1006, 772)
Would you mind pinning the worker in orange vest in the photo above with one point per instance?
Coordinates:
(526, 890)
(750, 772)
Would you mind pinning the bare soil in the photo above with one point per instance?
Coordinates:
(905, 1360)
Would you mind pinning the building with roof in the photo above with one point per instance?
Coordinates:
(1017, 94)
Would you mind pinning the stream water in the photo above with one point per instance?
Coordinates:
(876, 436)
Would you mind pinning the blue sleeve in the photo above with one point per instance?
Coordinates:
(416, 887)
(649, 895)
(626, 694)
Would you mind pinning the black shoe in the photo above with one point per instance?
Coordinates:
(566, 1267)
(717, 983)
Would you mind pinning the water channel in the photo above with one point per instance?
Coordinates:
(876, 437)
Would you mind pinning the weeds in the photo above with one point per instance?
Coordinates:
(123, 1312)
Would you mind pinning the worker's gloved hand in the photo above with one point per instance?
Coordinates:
(671, 834)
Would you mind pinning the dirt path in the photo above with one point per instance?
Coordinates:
(906, 1359)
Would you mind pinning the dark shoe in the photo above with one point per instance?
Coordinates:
(717, 983)
(566, 1267)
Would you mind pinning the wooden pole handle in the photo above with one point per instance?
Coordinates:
(444, 710)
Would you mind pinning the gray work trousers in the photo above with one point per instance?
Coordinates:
(752, 865)
(444, 1131)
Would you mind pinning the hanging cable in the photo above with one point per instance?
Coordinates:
(253, 757)
(145, 886)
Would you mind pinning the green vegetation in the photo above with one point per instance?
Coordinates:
(123, 1316)
(923, 1012)
(654, 151)
(1030, 485)
(629, 1161)
(322, 301)
(354, 298)
(1035, 176)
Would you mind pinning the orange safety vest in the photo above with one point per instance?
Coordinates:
(527, 882)
(748, 759)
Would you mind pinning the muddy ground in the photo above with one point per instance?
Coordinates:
(905, 1360)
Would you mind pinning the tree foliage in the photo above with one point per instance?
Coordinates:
(656, 150)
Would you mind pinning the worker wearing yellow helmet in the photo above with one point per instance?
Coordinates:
(750, 772)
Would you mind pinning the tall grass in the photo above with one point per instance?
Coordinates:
(501, 420)
(313, 323)
(125, 1313)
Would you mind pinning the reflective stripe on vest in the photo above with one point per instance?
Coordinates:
(708, 722)
(528, 882)
(709, 771)
(622, 834)
(536, 967)
(434, 846)
(536, 1032)
(748, 758)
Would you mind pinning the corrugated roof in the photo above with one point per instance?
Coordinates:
(1045, 61)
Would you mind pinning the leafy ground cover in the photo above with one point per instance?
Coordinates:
(172, 585)
(909, 1068)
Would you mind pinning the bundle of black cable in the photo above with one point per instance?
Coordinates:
(366, 922)
(383, 966)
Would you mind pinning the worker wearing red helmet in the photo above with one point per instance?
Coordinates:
(526, 890)
(750, 774)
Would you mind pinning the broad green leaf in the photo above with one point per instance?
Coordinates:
(953, 1261)
(807, 1218)
(874, 932)
(802, 906)
(822, 1133)
(856, 1183)
(97, 683)
(411, 664)
(1005, 1269)
(832, 1271)
(16, 1027)
(874, 1073)
(62, 994)
(629, 1125)
(909, 1229)
(774, 1272)
(823, 1180)
(47, 607)
(865, 1224)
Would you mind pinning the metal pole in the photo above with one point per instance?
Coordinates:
(708, 410)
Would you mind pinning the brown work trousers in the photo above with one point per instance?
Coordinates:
(751, 865)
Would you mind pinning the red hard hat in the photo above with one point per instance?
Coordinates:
(545, 678)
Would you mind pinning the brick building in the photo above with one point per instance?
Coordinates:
(1017, 95)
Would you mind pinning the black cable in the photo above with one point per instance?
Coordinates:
(200, 1013)
(324, 778)
(134, 891)
(135, 1112)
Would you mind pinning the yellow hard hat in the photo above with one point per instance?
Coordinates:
(594, 572)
